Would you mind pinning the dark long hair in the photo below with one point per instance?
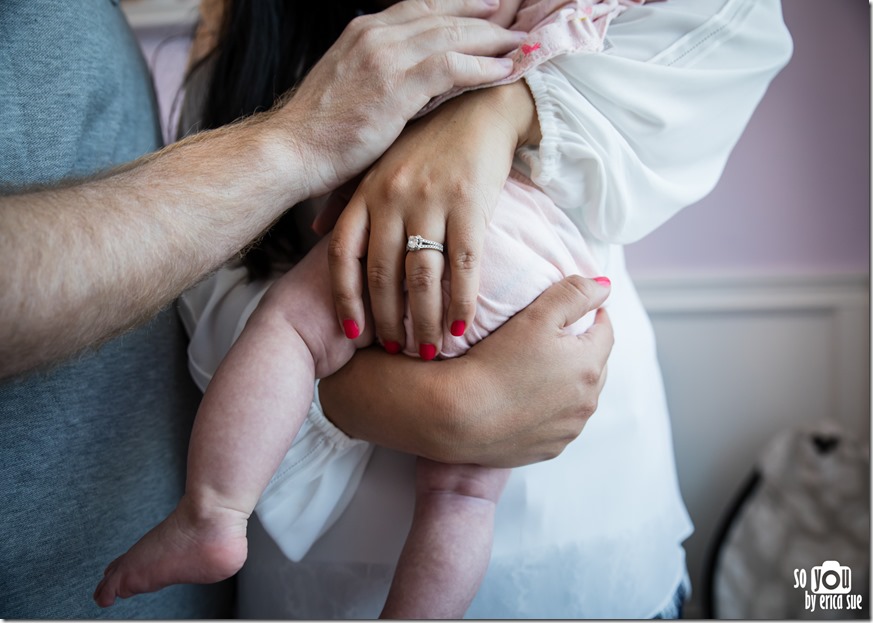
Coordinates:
(265, 48)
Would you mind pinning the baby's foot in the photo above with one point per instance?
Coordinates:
(188, 547)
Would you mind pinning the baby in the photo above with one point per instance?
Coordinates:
(262, 391)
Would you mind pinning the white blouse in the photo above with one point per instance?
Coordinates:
(630, 136)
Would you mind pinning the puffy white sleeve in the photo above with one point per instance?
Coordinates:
(635, 133)
(321, 471)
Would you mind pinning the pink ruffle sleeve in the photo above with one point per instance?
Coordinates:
(554, 27)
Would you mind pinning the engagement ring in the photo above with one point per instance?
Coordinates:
(416, 243)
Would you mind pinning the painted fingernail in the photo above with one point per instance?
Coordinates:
(351, 328)
(391, 346)
(427, 351)
(604, 281)
(458, 328)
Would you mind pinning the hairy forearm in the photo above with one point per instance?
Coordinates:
(84, 262)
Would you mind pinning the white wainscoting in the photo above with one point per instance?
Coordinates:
(744, 358)
(144, 14)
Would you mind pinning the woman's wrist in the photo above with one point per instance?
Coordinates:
(514, 105)
(400, 403)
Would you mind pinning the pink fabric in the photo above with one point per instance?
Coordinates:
(554, 27)
(529, 245)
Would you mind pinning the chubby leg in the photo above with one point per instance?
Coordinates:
(449, 545)
(249, 416)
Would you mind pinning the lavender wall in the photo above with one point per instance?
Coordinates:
(795, 196)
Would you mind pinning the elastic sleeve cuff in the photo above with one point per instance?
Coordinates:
(314, 483)
(543, 159)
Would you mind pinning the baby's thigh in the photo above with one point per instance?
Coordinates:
(304, 299)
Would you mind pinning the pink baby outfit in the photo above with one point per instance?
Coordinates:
(554, 27)
(530, 244)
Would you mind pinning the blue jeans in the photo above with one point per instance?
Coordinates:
(674, 608)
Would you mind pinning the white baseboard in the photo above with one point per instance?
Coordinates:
(721, 293)
(159, 14)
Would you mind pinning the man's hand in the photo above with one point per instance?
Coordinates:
(383, 69)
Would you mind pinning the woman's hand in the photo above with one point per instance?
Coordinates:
(517, 397)
(440, 180)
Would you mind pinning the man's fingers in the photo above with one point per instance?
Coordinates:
(409, 10)
(440, 72)
(348, 244)
(464, 35)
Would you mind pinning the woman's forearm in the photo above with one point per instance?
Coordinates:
(393, 401)
(517, 397)
(514, 104)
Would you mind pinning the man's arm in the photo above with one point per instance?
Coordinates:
(85, 262)
(89, 261)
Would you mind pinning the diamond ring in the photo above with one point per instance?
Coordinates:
(416, 243)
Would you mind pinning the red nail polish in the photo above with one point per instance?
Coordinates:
(604, 281)
(427, 351)
(392, 347)
(458, 328)
(351, 328)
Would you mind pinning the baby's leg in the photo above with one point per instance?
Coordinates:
(449, 545)
(529, 245)
(249, 416)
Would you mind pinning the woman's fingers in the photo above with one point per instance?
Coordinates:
(348, 245)
(464, 241)
(424, 274)
(385, 270)
(598, 340)
(567, 301)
